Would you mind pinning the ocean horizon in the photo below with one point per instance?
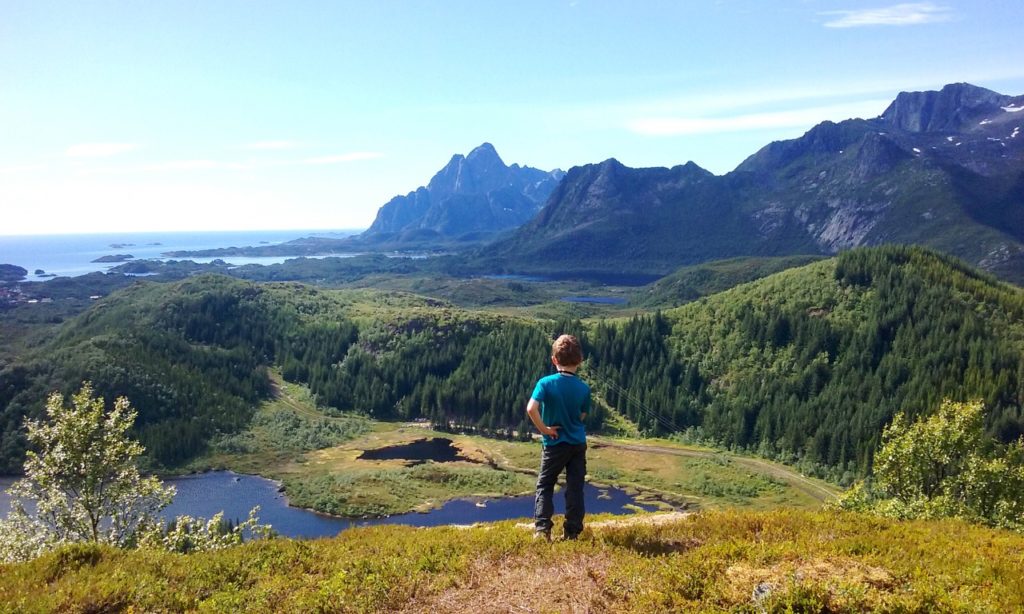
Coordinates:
(70, 255)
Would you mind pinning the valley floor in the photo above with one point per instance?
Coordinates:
(317, 458)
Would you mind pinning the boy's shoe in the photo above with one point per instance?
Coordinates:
(570, 537)
(542, 536)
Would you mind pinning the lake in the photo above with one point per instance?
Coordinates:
(208, 493)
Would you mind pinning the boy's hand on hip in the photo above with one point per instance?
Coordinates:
(551, 431)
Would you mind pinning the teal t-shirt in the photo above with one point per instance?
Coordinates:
(562, 399)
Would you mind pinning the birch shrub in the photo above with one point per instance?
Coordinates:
(944, 466)
(82, 484)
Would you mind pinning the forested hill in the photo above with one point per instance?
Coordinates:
(193, 356)
(814, 361)
(808, 364)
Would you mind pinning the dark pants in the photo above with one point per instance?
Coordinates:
(572, 458)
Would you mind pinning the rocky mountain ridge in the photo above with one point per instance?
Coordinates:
(942, 168)
(472, 196)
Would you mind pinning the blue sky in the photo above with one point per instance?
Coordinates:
(221, 114)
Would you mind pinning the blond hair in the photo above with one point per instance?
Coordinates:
(566, 351)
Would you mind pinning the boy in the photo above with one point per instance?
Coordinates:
(557, 407)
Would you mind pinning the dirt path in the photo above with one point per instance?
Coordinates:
(811, 488)
(281, 395)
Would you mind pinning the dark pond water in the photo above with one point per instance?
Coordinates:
(514, 277)
(209, 493)
(437, 449)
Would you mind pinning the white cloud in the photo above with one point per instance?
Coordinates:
(795, 118)
(348, 157)
(271, 145)
(98, 150)
(910, 14)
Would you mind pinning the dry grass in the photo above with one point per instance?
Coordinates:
(713, 561)
(838, 575)
(635, 520)
(525, 584)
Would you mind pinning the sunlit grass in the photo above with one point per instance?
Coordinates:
(315, 454)
(727, 560)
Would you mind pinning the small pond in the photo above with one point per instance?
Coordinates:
(437, 449)
(208, 493)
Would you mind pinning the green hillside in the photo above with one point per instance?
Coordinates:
(812, 362)
(729, 561)
(806, 365)
(193, 356)
(690, 283)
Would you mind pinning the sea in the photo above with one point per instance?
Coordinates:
(70, 255)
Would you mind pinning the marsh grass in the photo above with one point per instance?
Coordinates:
(315, 454)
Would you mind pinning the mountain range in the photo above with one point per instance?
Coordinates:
(943, 169)
(940, 168)
(472, 197)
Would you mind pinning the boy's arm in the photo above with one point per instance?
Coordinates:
(533, 411)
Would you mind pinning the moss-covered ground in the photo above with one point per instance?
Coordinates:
(713, 561)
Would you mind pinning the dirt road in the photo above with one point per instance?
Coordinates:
(812, 488)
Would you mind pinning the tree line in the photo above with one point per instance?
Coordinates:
(808, 365)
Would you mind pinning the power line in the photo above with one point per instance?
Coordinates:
(664, 421)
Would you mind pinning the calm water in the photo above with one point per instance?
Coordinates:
(209, 493)
(70, 255)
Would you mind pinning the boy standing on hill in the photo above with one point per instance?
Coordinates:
(557, 407)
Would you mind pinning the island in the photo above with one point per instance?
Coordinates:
(114, 258)
(12, 272)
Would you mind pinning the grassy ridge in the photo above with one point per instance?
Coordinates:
(716, 561)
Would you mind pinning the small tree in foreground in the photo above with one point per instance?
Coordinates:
(82, 484)
(944, 466)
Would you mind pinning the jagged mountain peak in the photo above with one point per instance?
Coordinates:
(694, 169)
(473, 193)
(481, 171)
(485, 154)
(946, 110)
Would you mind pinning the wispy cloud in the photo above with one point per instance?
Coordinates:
(795, 118)
(270, 145)
(910, 14)
(98, 150)
(341, 158)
